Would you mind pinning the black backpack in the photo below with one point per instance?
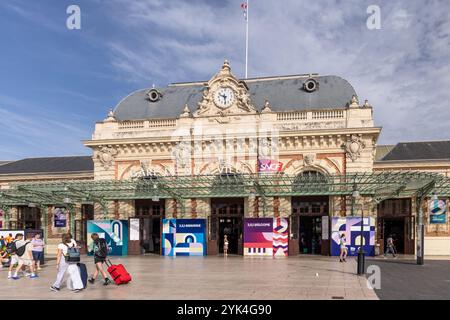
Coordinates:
(102, 251)
(11, 247)
(21, 251)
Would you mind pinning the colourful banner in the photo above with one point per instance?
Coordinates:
(115, 232)
(266, 237)
(438, 211)
(184, 237)
(267, 165)
(351, 228)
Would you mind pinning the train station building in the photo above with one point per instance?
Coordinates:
(280, 165)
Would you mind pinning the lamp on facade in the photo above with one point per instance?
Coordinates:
(155, 198)
(67, 200)
(32, 205)
(434, 197)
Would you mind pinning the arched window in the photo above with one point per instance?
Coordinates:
(310, 182)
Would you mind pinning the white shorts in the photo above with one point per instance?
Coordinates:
(14, 259)
(26, 262)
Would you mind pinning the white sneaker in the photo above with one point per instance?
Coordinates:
(9, 276)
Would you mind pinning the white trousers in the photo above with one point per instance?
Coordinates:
(74, 275)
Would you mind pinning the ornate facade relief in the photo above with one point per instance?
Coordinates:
(106, 156)
(224, 95)
(309, 159)
(353, 147)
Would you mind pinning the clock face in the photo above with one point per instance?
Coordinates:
(224, 97)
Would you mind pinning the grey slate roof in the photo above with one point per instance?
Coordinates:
(49, 165)
(382, 150)
(431, 150)
(284, 94)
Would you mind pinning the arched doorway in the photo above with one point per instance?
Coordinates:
(310, 214)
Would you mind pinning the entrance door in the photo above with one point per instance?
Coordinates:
(150, 214)
(310, 235)
(226, 219)
(395, 227)
(395, 218)
(306, 223)
(151, 235)
(231, 227)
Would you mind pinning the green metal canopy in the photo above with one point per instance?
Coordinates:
(377, 185)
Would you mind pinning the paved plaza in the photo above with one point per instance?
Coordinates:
(233, 278)
(403, 279)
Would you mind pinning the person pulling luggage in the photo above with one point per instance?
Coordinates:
(100, 250)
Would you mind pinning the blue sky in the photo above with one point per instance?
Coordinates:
(55, 83)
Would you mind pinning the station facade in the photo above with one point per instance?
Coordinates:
(301, 125)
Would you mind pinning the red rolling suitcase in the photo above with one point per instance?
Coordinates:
(118, 272)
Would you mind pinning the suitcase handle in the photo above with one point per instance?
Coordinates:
(108, 263)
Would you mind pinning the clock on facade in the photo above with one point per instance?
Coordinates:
(224, 97)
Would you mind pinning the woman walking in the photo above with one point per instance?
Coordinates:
(64, 266)
(343, 246)
(225, 245)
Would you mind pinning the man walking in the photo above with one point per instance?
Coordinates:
(390, 246)
(25, 256)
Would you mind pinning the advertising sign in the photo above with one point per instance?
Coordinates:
(60, 217)
(266, 237)
(134, 229)
(267, 165)
(8, 235)
(184, 237)
(325, 226)
(351, 228)
(438, 212)
(115, 232)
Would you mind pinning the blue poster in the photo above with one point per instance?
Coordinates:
(438, 212)
(115, 232)
(350, 227)
(184, 237)
(60, 217)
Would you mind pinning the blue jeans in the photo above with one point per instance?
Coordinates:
(391, 250)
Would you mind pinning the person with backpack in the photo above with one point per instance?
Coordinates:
(11, 250)
(67, 258)
(100, 250)
(23, 250)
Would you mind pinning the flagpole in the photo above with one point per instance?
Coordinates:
(246, 41)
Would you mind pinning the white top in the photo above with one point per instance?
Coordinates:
(63, 246)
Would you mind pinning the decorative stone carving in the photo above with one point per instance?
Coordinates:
(182, 154)
(354, 103)
(205, 104)
(309, 159)
(266, 107)
(244, 102)
(353, 147)
(186, 113)
(237, 102)
(366, 104)
(106, 156)
(111, 117)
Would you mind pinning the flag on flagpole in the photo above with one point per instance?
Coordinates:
(244, 7)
